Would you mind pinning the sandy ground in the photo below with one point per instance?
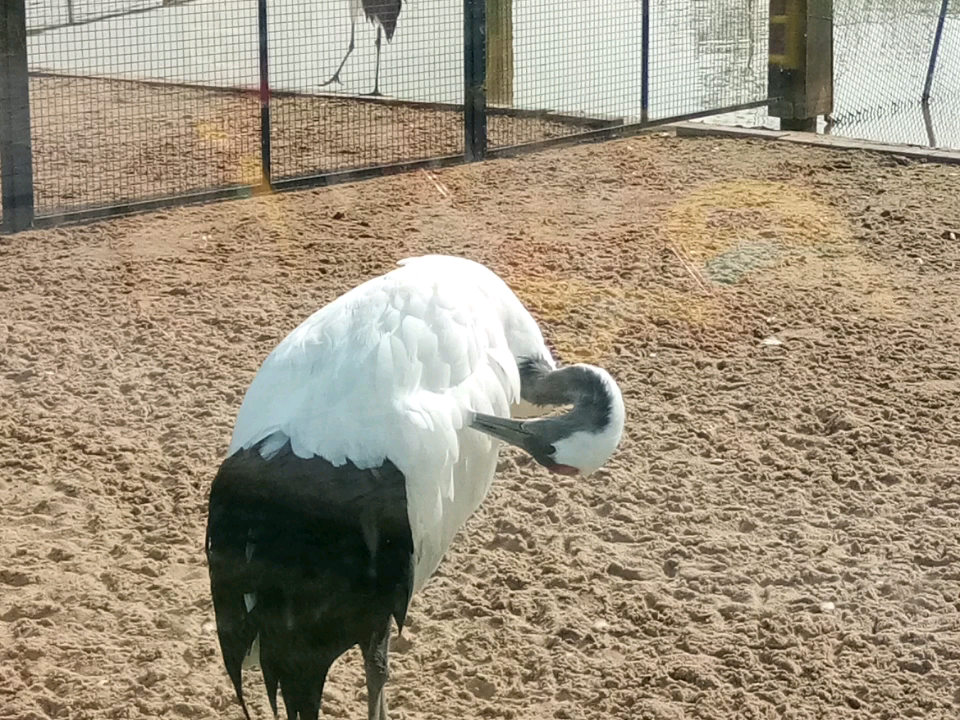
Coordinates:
(779, 536)
(100, 142)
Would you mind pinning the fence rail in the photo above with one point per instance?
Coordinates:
(111, 106)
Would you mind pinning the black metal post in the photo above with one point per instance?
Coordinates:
(16, 153)
(474, 79)
(265, 165)
(935, 51)
(645, 68)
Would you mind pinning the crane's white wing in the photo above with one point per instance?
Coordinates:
(391, 371)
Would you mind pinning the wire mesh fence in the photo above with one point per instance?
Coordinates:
(115, 118)
(707, 54)
(564, 60)
(933, 125)
(43, 15)
(400, 102)
(882, 56)
(134, 100)
(587, 59)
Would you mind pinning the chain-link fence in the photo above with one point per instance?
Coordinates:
(883, 53)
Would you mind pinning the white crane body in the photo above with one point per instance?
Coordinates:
(366, 440)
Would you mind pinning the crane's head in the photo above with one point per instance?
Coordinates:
(577, 442)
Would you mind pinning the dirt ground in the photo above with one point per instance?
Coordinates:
(100, 142)
(779, 536)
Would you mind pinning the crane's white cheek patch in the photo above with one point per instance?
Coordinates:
(584, 450)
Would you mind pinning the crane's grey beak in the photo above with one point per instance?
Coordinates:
(524, 435)
(510, 431)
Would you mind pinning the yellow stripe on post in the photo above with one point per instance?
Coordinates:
(787, 32)
(800, 80)
(499, 83)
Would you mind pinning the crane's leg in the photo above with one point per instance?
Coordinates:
(376, 72)
(375, 665)
(353, 35)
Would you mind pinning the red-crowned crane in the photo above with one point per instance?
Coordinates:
(385, 14)
(366, 440)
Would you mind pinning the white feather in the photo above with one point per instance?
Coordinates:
(390, 371)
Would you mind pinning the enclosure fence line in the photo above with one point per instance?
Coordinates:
(890, 64)
(248, 118)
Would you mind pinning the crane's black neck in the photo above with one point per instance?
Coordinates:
(575, 385)
(581, 386)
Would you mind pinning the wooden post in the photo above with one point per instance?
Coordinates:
(16, 152)
(800, 78)
(500, 52)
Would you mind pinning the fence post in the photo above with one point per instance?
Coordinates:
(265, 161)
(16, 153)
(800, 77)
(935, 51)
(499, 25)
(474, 78)
(928, 124)
(645, 68)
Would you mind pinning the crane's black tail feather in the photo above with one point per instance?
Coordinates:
(312, 559)
(385, 12)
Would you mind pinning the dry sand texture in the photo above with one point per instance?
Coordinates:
(778, 537)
